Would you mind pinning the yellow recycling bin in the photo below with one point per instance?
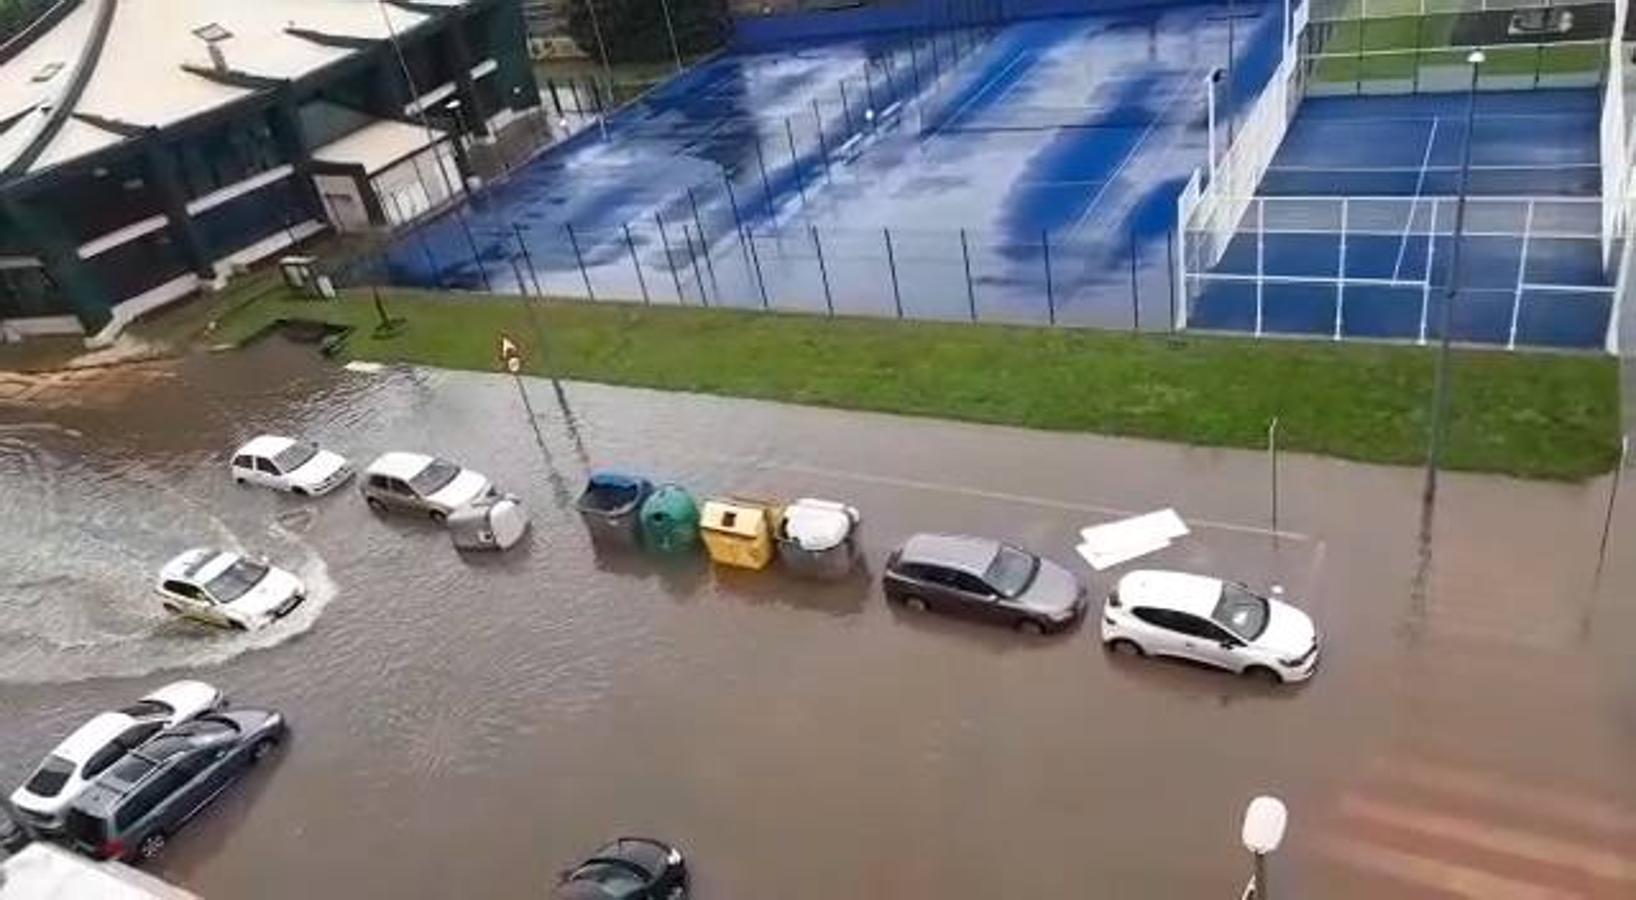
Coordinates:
(738, 532)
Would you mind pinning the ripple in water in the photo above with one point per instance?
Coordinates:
(79, 553)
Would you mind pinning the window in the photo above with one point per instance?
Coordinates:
(181, 589)
(136, 734)
(295, 456)
(437, 475)
(1193, 626)
(242, 462)
(1011, 571)
(148, 797)
(236, 580)
(49, 778)
(1241, 612)
(266, 465)
(102, 759)
(970, 584)
(1158, 618)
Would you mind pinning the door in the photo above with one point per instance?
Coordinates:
(1160, 636)
(1219, 648)
(978, 599)
(267, 473)
(1203, 640)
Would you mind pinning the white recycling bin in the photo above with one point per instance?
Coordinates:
(493, 523)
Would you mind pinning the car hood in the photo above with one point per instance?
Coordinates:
(270, 594)
(1289, 631)
(466, 487)
(1053, 590)
(323, 467)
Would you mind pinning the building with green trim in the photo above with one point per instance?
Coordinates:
(149, 148)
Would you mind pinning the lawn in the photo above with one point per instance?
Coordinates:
(1396, 48)
(1534, 415)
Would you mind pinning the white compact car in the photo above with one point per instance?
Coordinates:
(1210, 621)
(219, 587)
(98, 744)
(286, 464)
(413, 482)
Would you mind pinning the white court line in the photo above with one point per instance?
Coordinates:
(1177, 91)
(995, 79)
(1419, 185)
(1111, 512)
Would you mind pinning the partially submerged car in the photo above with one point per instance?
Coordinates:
(286, 464)
(226, 589)
(41, 800)
(629, 868)
(415, 482)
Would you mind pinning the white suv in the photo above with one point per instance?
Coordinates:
(220, 587)
(286, 464)
(99, 743)
(1210, 621)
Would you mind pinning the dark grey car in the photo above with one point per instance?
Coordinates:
(985, 579)
(134, 806)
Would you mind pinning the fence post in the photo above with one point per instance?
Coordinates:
(795, 162)
(823, 270)
(1050, 292)
(732, 200)
(869, 94)
(556, 103)
(914, 64)
(476, 258)
(892, 264)
(431, 261)
(1170, 265)
(693, 262)
(971, 290)
(636, 263)
(1135, 297)
(937, 63)
(846, 106)
(766, 188)
(761, 283)
(573, 241)
(891, 85)
(823, 148)
(709, 265)
(528, 258)
(670, 261)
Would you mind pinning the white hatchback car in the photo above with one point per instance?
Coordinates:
(1210, 621)
(220, 587)
(99, 743)
(286, 464)
(414, 482)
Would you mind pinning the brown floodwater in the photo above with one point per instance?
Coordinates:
(463, 726)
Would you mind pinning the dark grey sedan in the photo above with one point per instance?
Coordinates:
(629, 868)
(984, 579)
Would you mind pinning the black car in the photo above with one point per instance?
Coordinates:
(630, 868)
(134, 806)
(983, 579)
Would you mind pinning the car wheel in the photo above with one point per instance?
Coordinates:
(151, 845)
(260, 751)
(1263, 675)
(1030, 626)
(238, 481)
(299, 492)
(915, 603)
(375, 505)
(439, 516)
(1126, 647)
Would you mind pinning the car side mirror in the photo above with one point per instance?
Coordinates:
(1230, 644)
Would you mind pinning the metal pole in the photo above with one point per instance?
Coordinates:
(761, 283)
(846, 106)
(738, 220)
(766, 188)
(670, 29)
(1440, 389)
(869, 93)
(1613, 497)
(1210, 118)
(636, 263)
(1135, 296)
(1260, 876)
(1272, 461)
(1050, 294)
(795, 161)
(528, 258)
(1231, 50)
(607, 70)
(823, 149)
(823, 270)
(573, 241)
(475, 256)
(914, 64)
(892, 264)
(670, 261)
(971, 290)
(692, 260)
(704, 246)
(1170, 264)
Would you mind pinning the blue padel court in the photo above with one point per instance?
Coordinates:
(1350, 234)
(1017, 172)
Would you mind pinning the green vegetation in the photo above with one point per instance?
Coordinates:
(1404, 47)
(1536, 415)
(635, 30)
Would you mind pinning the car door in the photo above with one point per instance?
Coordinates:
(403, 495)
(188, 600)
(267, 473)
(212, 769)
(1159, 635)
(1201, 639)
(244, 468)
(206, 608)
(977, 598)
(1216, 646)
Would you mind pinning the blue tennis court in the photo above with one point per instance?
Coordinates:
(1351, 232)
(1025, 172)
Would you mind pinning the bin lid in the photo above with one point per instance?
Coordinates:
(608, 480)
(731, 517)
(817, 524)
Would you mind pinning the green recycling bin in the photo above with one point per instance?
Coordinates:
(670, 520)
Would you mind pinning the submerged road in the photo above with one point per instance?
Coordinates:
(464, 726)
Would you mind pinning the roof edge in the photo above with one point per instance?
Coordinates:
(47, 21)
(65, 102)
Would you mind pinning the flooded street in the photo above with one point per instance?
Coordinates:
(464, 726)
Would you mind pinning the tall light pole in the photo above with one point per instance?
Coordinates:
(1264, 823)
(414, 100)
(670, 29)
(1210, 82)
(1440, 388)
(1232, 26)
(607, 69)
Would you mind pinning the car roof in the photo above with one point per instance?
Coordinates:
(1181, 591)
(398, 464)
(93, 736)
(954, 551)
(199, 564)
(265, 445)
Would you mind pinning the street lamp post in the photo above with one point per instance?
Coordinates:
(1210, 82)
(1440, 388)
(1264, 822)
(1232, 25)
(607, 68)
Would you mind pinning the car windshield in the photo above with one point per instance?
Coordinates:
(49, 778)
(1241, 612)
(295, 456)
(236, 580)
(1011, 571)
(614, 880)
(437, 474)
